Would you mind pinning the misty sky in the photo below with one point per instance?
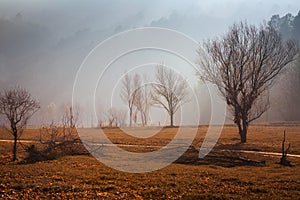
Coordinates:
(43, 43)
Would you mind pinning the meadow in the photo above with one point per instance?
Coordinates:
(226, 173)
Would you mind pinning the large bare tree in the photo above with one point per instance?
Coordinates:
(170, 91)
(18, 106)
(243, 65)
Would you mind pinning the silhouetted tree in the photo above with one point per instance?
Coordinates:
(243, 65)
(170, 91)
(18, 106)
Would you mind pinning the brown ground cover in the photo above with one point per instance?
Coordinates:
(220, 175)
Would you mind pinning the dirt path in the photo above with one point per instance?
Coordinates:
(265, 153)
(22, 141)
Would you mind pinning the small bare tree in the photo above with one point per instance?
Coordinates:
(18, 106)
(121, 118)
(170, 91)
(243, 65)
(112, 117)
(62, 137)
(283, 159)
(70, 117)
(101, 122)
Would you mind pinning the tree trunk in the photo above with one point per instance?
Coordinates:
(243, 135)
(145, 118)
(142, 118)
(171, 119)
(15, 146)
(130, 117)
(243, 128)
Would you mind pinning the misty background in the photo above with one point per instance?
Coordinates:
(43, 43)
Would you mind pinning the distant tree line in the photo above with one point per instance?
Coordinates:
(289, 28)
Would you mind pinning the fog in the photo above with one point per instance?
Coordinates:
(44, 43)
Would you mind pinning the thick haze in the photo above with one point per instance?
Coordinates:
(43, 43)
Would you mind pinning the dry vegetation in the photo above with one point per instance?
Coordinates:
(221, 175)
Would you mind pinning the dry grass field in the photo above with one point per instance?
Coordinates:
(220, 175)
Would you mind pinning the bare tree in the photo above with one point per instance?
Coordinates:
(112, 117)
(128, 96)
(62, 138)
(70, 117)
(18, 106)
(243, 65)
(121, 118)
(101, 121)
(146, 103)
(69, 122)
(170, 91)
(141, 100)
(283, 159)
(137, 96)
